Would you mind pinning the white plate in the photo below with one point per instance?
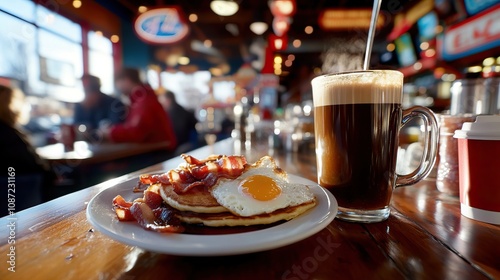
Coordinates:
(101, 215)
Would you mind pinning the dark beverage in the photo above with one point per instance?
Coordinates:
(358, 144)
(357, 117)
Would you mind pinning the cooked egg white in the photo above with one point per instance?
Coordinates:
(262, 188)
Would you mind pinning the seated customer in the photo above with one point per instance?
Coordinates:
(146, 121)
(185, 121)
(97, 109)
(32, 175)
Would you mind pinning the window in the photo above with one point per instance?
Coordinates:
(61, 60)
(101, 60)
(17, 47)
(44, 50)
(58, 24)
(60, 53)
(24, 9)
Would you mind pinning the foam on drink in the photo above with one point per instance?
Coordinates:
(359, 87)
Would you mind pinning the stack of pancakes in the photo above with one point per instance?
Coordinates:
(198, 206)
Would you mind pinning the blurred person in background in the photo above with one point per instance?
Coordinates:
(147, 121)
(97, 109)
(184, 122)
(33, 177)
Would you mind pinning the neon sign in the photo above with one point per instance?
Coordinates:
(164, 25)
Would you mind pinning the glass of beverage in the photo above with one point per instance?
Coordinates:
(358, 116)
(68, 136)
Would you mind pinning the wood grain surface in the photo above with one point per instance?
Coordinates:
(424, 238)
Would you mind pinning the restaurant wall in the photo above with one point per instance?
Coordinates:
(136, 53)
(90, 13)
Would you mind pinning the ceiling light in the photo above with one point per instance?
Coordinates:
(391, 47)
(430, 53)
(296, 43)
(172, 60)
(216, 71)
(142, 9)
(439, 72)
(417, 66)
(281, 25)
(115, 38)
(77, 4)
(309, 29)
(259, 27)
(193, 17)
(207, 43)
(282, 7)
(224, 7)
(475, 69)
(489, 61)
(183, 60)
(424, 46)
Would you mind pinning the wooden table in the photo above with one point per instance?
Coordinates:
(87, 153)
(88, 164)
(424, 238)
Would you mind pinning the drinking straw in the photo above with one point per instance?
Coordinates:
(371, 33)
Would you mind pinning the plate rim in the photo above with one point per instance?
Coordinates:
(325, 210)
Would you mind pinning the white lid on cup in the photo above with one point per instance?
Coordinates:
(484, 128)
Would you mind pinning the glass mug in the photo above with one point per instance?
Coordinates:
(358, 116)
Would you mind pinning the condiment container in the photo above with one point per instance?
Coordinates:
(479, 167)
(447, 178)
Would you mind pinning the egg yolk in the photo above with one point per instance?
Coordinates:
(260, 187)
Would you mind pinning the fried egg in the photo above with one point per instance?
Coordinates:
(262, 188)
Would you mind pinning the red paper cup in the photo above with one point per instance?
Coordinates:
(479, 169)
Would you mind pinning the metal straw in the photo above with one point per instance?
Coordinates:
(371, 33)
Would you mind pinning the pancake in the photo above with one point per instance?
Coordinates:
(229, 219)
(193, 201)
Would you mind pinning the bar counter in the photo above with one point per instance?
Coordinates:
(424, 238)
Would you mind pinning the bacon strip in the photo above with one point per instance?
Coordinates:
(194, 161)
(148, 211)
(149, 179)
(148, 220)
(203, 175)
(197, 173)
(122, 209)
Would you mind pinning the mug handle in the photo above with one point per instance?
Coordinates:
(430, 147)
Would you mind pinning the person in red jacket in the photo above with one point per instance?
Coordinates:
(146, 121)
